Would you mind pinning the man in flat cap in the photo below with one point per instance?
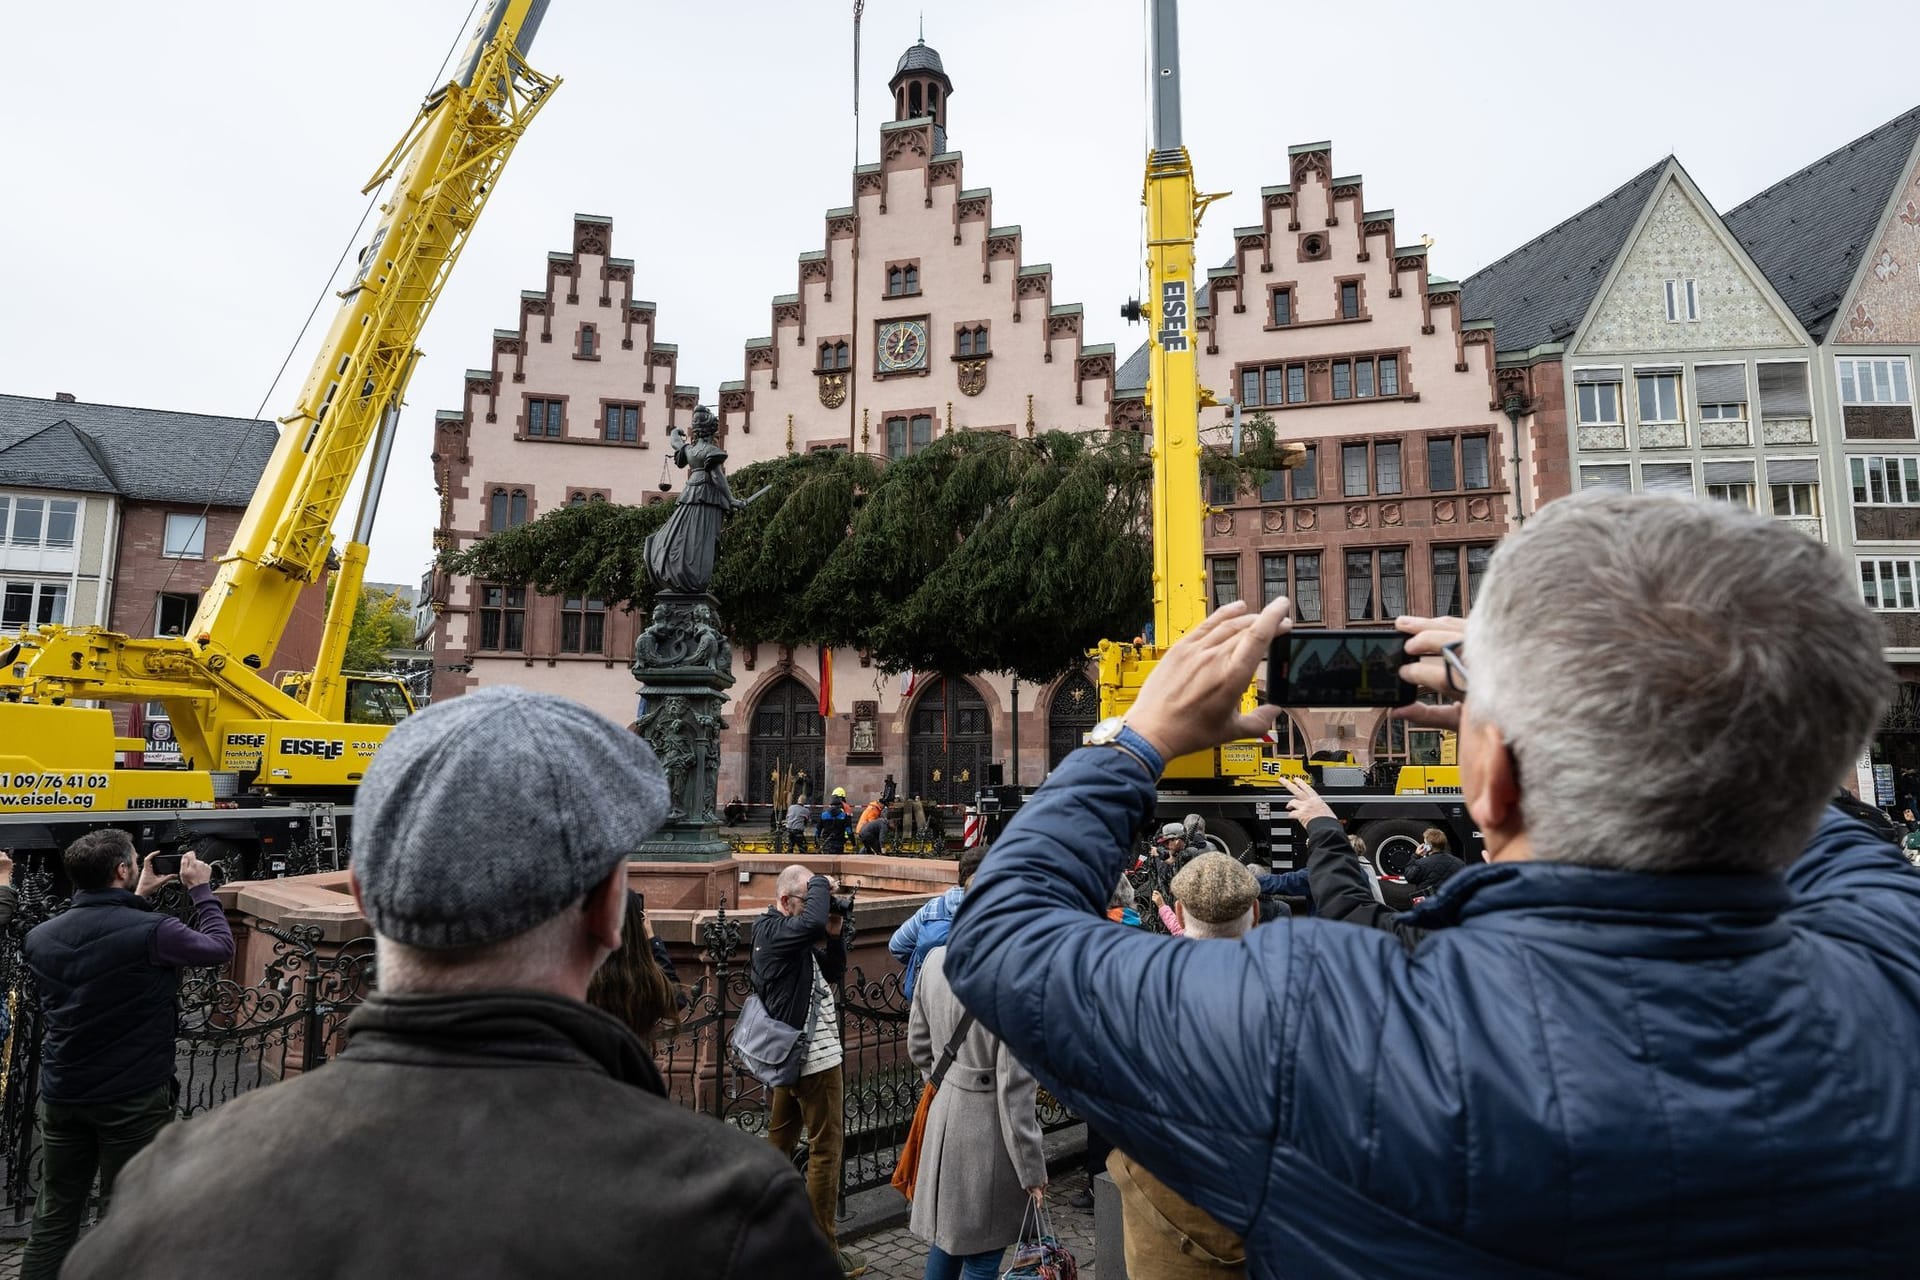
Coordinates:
(482, 1120)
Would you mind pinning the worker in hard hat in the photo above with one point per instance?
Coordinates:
(834, 824)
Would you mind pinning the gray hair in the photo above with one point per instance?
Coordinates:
(1239, 927)
(1681, 682)
(793, 881)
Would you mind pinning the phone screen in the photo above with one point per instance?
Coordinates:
(1338, 669)
(166, 864)
(639, 901)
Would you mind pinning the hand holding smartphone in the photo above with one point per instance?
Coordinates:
(165, 864)
(1338, 669)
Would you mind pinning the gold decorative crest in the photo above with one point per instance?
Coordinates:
(833, 389)
(973, 377)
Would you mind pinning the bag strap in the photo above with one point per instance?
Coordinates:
(952, 1050)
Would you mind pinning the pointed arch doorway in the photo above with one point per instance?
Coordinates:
(786, 733)
(949, 742)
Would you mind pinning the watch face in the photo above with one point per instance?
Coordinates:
(903, 345)
(1106, 731)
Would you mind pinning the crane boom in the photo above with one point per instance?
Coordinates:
(224, 709)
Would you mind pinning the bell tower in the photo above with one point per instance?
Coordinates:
(921, 88)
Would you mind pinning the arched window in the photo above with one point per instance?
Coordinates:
(913, 100)
(913, 279)
(933, 99)
(517, 508)
(577, 500)
(980, 341)
(839, 355)
(586, 341)
(497, 510)
(963, 343)
(896, 281)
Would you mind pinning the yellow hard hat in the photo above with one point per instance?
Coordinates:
(841, 792)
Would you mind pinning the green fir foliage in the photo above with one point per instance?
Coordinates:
(980, 552)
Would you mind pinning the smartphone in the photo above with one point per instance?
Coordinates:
(637, 901)
(1338, 669)
(166, 864)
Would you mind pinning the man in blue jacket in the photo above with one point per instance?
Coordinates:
(1669, 1028)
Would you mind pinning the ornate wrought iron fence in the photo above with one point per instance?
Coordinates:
(235, 1037)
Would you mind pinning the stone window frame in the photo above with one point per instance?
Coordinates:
(507, 607)
(639, 407)
(1290, 588)
(1455, 438)
(581, 608)
(1359, 283)
(527, 399)
(506, 488)
(909, 269)
(581, 497)
(837, 348)
(1292, 289)
(1215, 562)
(979, 331)
(586, 341)
(931, 413)
(1380, 613)
(1467, 580)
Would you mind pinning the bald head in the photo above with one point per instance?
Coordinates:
(792, 888)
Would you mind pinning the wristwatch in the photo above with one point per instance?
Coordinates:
(1114, 732)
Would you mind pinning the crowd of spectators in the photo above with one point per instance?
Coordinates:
(1666, 1025)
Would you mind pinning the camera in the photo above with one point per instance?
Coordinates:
(838, 906)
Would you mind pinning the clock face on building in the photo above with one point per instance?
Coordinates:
(902, 346)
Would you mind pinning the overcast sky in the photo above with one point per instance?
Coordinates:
(183, 177)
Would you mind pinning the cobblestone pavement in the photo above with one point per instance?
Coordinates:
(11, 1251)
(897, 1254)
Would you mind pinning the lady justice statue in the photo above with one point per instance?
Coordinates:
(680, 554)
(682, 659)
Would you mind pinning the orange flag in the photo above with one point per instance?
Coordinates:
(826, 682)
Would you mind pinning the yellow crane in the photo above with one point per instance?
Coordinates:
(1232, 787)
(1174, 400)
(231, 718)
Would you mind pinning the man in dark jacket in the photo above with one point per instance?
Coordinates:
(107, 970)
(799, 958)
(483, 1120)
(1679, 1007)
(1433, 863)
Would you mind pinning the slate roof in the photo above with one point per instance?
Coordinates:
(57, 456)
(1808, 231)
(920, 57)
(1541, 291)
(1132, 373)
(149, 455)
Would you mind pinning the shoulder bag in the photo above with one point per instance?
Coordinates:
(906, 1170)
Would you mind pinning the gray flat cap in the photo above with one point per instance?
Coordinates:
(485, 815)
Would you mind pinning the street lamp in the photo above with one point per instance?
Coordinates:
(1515, 407)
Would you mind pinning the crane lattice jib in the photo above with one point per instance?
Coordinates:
(449, 163)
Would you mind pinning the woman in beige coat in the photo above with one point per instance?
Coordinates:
(981, 1161)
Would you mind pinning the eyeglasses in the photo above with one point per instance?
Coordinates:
(1456, 666)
